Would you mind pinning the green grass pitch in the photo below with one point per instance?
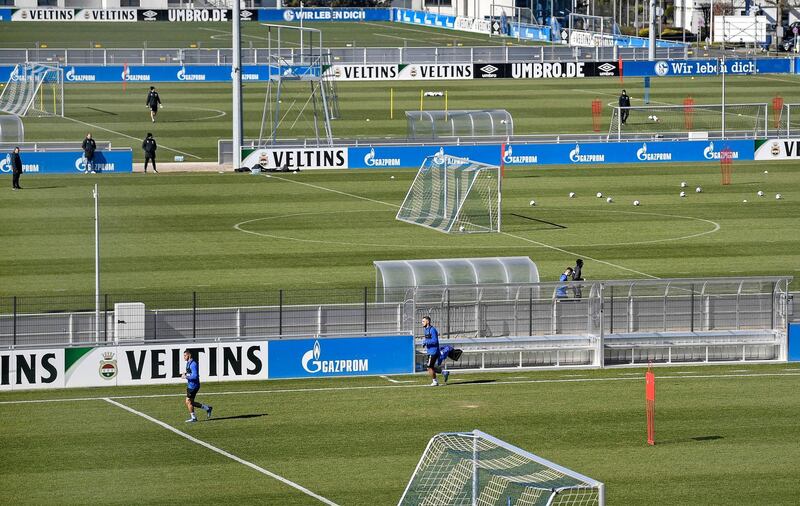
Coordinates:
(724, 435)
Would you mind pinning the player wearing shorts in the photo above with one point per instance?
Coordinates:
(153, 102)
(431, 344)
(192, 376)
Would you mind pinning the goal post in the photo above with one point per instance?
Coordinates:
(34, 90)
(670, 121)
(475, 468)
(452, 194)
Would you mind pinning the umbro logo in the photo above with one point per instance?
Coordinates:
(606, 67)
(149, 15)
(489, 69)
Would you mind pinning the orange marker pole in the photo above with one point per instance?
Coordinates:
(650, 397)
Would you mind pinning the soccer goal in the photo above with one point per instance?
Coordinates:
(34, 90)
(789, 121)
(474, 468)
(675, 121)
(452, 194)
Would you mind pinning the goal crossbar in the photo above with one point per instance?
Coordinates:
(481, 469)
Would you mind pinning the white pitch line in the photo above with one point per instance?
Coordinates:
(571, 253)
(222, 452)
(580, 255)
(392, 380)
(684, 375)
(128, 136)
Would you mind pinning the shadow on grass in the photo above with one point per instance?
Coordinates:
(695, 439)
(472, 382)
(238, 417)
(28, 188)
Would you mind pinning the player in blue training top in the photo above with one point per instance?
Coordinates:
(431, 344)
(192, 376)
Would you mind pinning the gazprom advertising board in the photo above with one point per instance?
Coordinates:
(68, 162)
(348, 356)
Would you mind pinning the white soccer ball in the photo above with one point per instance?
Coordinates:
(461, 228)
(760, 193)
(699, 189)
(532, 203)
(778, 196)
(572, 195)
(683, 194)
(636, 202)
(684, 184)
(609, 200)
(745, 201)
(367, 119)
(599, 195)
(392, 177)
(766, 172)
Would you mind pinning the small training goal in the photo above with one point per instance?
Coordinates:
(453, 194)
(474, 468)
(34, 90)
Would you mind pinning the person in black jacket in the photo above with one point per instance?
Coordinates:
(153, 102)
(577, 275)
(89, 147)
(16, 169)
(149, 146)
(624, 103)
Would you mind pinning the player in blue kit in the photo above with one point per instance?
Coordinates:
(192, 376)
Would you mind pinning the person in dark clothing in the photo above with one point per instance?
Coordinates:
(16, 169)
(624, 103)
(577, 276)
(153, 102)
(149, 146)
(89, 147)
(561, 291)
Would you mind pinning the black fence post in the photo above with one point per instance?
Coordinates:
(280, 312)
(447, 297)
(611, 310)
(194, 315)
(530, 311)
(691, 323)
(105, 317)
(14, 318)
(365, 310)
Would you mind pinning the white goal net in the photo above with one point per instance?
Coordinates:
(474, 468)
(452, 194)
(676, 121)
(34, 90)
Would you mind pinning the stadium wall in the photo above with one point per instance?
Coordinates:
(70, 162)
(508, 155)
(135, 364)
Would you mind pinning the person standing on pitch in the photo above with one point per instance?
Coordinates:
(149, 146)
(624, 104)
(192, 376)
(16, 169)
(577, 276)
(89, 147)
(153, 102)
(431, 344)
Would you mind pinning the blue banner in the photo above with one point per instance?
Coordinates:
(5, 14)
(794, 342)
(425, 19)
(662, 68)
(163, 73)
(69, 162)
(530, 32)
(582, 153)
(347, 356)
(317, 14)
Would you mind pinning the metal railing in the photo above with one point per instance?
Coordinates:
(605, 309)
(340, 55)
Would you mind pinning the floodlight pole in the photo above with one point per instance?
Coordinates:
(96, 195)
(721, 67)
(237, 84)
(651, 46)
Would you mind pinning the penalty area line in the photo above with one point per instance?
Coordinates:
(222, 452)
(128, 136)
